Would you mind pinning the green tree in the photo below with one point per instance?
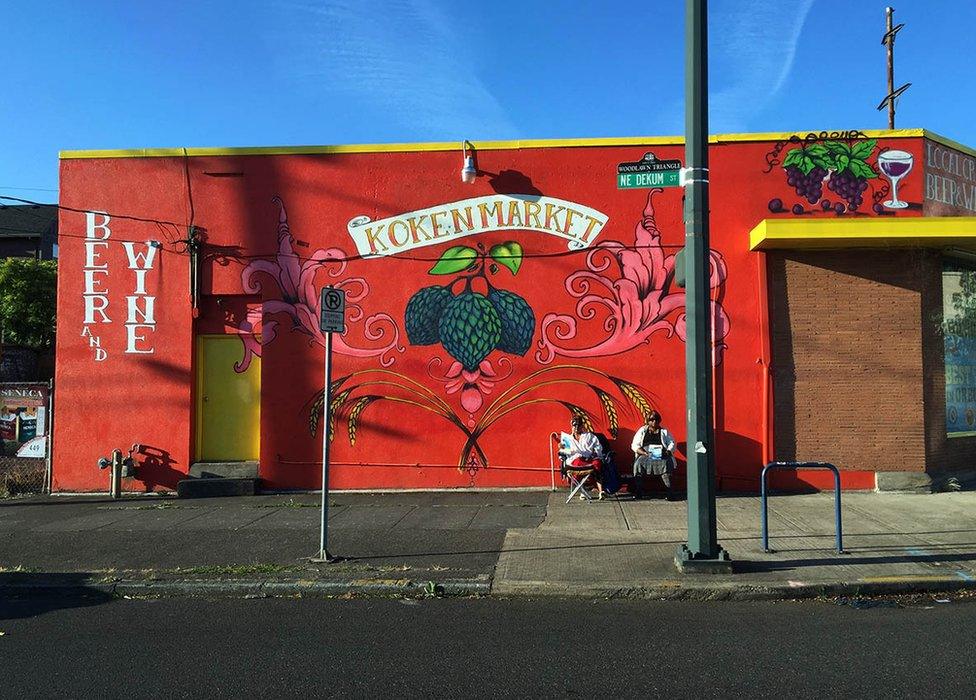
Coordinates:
(28, 299)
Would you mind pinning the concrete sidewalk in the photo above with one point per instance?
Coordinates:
(892, 543)
(527, 543)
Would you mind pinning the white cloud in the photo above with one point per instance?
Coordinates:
(752, 45)
(401, 58)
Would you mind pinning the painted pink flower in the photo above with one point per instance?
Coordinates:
(294, 281)
(474, 385)
(630, 288)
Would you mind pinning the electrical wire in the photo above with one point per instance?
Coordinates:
(210, 250)
(61, 207)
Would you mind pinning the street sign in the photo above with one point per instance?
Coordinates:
(649, 172)
(333, 310)
(662, 178)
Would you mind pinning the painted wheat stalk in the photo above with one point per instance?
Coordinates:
(636, 397)
(315, 411)
(579, 412)
(356, 412)
(334, 409)
(609, 409)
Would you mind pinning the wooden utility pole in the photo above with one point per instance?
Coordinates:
(889, 41)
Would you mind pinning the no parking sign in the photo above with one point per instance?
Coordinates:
(333, 310)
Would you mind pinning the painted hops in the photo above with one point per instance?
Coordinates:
(471, 324)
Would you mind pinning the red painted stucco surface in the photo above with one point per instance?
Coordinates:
(129, 398)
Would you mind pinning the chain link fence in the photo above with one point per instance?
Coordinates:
(22, 475)
(25, 426)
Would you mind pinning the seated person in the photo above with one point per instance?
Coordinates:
(653, 448)
(584, 453)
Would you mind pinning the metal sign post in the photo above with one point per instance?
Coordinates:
(702, 554)
(333, 320)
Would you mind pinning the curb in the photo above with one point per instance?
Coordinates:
(705, 591)
(247, 588)
(481, 587)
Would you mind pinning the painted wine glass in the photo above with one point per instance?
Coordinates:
(895, 165)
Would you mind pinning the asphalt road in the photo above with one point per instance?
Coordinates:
(482, 648)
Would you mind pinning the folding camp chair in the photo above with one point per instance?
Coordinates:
(578, 479)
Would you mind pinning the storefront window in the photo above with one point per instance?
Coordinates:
(959, 331)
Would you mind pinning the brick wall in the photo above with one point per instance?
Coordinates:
(848, 357)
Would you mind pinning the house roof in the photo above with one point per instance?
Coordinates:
(27, 220)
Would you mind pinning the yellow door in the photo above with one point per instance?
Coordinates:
(228, 402)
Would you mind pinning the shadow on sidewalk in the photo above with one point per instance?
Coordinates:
(742, 565)
(24, 594)
(499, 550)
(753, 566)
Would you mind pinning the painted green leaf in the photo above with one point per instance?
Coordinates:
(825, 162)
(805, 165)
(843, 161)
(508, 254)
(838, 148)
(862, 169)
(863, 149)
(793, 157)
(817, 150)
(454, 260)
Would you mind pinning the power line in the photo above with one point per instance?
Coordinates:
(215, 250)
(93, 211)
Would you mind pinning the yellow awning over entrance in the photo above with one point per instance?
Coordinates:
(865, 232)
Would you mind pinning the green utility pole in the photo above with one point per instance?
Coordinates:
(702, 553)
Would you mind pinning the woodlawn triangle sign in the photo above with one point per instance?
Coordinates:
(648, 172)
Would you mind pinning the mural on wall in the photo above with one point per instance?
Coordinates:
(630, 290)
(950, 181)
(473, 321)
(294, 282)
(839, 173)
(478, 328)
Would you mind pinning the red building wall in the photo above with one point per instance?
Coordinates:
(604, 335)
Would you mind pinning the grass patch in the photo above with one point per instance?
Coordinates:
(290, 503)
(236, 569)
(18, 569)
(164, 505)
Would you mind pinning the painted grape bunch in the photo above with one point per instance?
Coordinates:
(807, 167)
(471, 324)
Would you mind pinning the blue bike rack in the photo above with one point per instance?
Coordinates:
(801, 465)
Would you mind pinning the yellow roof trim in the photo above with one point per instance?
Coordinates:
(864, 232)
(372, 148)
(780, 136)
(453, 145)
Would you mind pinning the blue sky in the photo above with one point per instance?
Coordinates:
(104, 75)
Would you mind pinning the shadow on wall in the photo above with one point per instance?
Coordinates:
(512, 182)
(155, 467)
